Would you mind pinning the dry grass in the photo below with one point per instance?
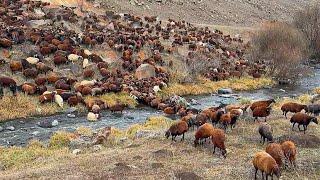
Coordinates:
(116, 163)
(205, 86)
(61, 139)
(23, 106)
(317, 90)
(111, 99)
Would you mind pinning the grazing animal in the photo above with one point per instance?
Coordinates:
(29, 88)
(30, 73)
(266, 164)
(9, 83)
(74, 57)
(228, 119)
(92, 117)
(118, 107)
(96, 109)
(265, 103)
(189, 119)
(15, 66)
(203, 132)
(177, 129)
(290, 151)
(313, 108)
(46, 97)
(58, 99)
(218, 138)
(32, 60)
(292, 107)
(275, 150)
(265, 131)
(216, 116)
(261, 111)
(302, 119)
(201, 119)
(169, 110)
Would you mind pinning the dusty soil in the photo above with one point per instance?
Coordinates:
(219, 12)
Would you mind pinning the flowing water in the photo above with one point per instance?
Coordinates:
(26, 130)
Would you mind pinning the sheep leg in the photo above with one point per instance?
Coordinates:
(293, 125)
(267, 176)
(182, 137)
(255, 174)
(265, 119)
(304, 129)
(214, 149)
(299, 127)
(285, 114)
(262, 175)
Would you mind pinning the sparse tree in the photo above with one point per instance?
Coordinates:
(282, 47)
(308, 21)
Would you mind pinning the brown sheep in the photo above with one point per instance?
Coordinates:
(169, 110)
(177, 129)
(228, 119)
(58, 60)
(89, 73)
(266, 164)
(43, 68)
(118, 107)
(216, 116)
(189, 119)
(86, 91)
(29, 88)
(96, 109)
(292, 107)
(201, 119)
(44, 98)
(275, 150)
(30, 73)
(74, 100)
(52, 78)
(5, 43)
(265, 103)
(218, 138)
(204, 131)
(261, 111)
(290, 151)
(265, 131)
(302, 119)
(15, 66)
(40, 81)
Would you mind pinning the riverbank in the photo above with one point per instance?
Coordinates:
(23, 106)
(154, 156)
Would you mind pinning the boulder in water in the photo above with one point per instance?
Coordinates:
(225, 91)
(1, 128)
(48, 123)
(10, 128)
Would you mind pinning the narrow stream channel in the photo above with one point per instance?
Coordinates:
(26, 130)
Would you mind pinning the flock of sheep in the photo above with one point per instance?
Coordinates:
(268, 162)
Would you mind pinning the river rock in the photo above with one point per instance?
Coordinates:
(71, 110)
(71, 115)
(10, 128)
(145, 71)
(76, 151)
(35, 133)
(1, 128)
(48, 123)
(225, 91)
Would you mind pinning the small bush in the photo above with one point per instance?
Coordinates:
(61, 139)
(282, 47)
(308, 21)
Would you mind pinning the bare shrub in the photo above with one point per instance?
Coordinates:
(308, 21)
(282, 48)
(188, 70)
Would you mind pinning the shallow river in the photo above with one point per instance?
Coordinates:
(26, 130)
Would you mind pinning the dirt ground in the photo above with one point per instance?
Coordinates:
(160, 158)
(219, 12)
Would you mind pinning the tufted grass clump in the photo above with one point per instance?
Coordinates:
(205, 86)
(61, 139)
(111, 99)
(23, 106)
